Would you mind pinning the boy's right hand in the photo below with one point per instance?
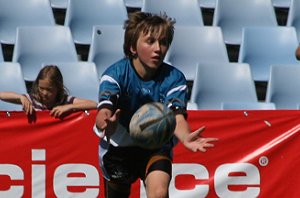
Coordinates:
(107, 122)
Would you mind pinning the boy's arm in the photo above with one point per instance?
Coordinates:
(191, 140)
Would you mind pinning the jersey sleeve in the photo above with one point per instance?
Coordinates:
(109, 91)
(177, 95)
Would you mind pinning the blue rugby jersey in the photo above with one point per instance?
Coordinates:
(122, 88)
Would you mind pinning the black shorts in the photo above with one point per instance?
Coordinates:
(125, 165)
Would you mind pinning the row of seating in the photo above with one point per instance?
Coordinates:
(217, 85)
(81, 16)
(230, 86)
(210, 4)
(260, 48)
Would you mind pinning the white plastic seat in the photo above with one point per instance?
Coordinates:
(293, 18)
(283, 86)
(263, 46)
(185, 12)
(107, 46)
(248, 106)
(16, 13)
(81, 16)
(35, 45)
(216, 83)
(233, 15)
(11, 80)
(80, 78)
(194, 44)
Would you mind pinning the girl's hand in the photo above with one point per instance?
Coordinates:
(195, 142)
(60, 111)
(27, 106)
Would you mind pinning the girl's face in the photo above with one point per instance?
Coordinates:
(150, 50)
(47, 92)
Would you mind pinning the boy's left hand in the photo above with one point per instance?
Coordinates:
(195, 142)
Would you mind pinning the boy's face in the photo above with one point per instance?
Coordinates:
(151, 50)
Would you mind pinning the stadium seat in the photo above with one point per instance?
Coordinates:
(248, 106)
(281, 3)
(59, 4)
(80, 78)
(185, 12)
(283, 86)
(293, 18)
(194, 44)
(209, 4)
(233, 15)
(35, 45)
(107, 46)
(81, 16)
(1, 54)
(133, 3)
(264, 46)
(11, 80)
(16, 13)
(216, 83)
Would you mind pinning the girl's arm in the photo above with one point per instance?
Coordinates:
(77, 105)
(17, 99)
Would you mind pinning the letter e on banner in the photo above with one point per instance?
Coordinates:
(248, 177)
(90, 181)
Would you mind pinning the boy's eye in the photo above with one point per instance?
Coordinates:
(164, 42)
(150, 40)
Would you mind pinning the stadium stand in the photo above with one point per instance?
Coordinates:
(36, 45)
(12, 80)
(216, 83)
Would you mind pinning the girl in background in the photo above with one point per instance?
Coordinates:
(48, 93)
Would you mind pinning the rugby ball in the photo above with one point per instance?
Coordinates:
(152, 125)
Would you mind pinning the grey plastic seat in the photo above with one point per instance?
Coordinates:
(107, 46)
(16, 13)
(134, 3)
(233, 15)
(263, 46)
(11, 80)
(194, 44)
(248, 106)
(80, 78)
(185, 12)
(35, 45)
(283, 86)
(281, 3)
(294, 16)
(222, 82)
(59, 4)
(81, 16)
(209, 4)
(1, 55)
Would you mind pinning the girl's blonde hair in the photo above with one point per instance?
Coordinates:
(53, 74)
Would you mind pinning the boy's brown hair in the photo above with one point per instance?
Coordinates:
(142, 22)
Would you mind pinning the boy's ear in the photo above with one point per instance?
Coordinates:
(132, 50)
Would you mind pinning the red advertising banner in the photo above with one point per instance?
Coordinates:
(256, 156)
